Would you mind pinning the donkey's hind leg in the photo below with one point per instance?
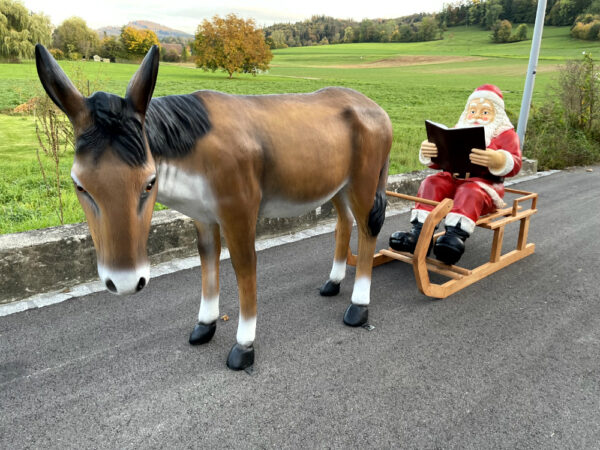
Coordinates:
(357, 313)
(368, 207)
(343, 229)
(209, 247)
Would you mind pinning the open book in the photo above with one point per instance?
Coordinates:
(454, 146)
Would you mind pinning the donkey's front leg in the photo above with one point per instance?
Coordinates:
(209, 247)
(240, 237)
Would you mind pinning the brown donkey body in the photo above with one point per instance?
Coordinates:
(224, 160)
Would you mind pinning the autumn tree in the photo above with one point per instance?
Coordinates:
(75, 39)
(231, 44)
(110, 47)
(20, 30)
(137, 42)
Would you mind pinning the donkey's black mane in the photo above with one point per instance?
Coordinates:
(173, 124)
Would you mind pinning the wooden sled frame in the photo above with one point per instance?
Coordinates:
(459, 276)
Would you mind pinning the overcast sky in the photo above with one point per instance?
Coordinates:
(185, 15)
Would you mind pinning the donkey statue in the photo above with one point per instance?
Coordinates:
(223, 160)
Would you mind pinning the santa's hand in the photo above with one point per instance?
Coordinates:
(488, 158)
(429, 149)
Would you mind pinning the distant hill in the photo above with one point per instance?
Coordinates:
(161, 31)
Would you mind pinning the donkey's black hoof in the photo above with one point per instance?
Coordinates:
(330, 289)
(240, 357)
(356, 315)
(202, 333)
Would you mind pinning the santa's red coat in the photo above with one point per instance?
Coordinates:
(475, 196)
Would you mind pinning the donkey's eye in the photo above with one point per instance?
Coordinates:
(78, 187)
(150, 185)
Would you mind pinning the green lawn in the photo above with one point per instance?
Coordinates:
(436, 89)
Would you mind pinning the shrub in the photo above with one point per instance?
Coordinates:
(587, 27)
(501, 31)
(565, 131)
(520, 33)
(57, 53)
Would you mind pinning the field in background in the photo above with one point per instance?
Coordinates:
(412, 82)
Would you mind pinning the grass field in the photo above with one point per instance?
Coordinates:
(412, 82)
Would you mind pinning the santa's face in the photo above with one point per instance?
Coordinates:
(480, 112)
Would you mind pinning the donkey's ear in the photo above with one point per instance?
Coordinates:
(141, 86)
(58, 86)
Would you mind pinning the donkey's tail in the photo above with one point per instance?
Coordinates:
(377, 213)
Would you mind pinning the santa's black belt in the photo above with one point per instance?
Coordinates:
(467, 175)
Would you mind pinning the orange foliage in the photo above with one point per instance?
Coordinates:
(232, 44)
(136, 41)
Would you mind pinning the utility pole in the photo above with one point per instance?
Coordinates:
(536, 42)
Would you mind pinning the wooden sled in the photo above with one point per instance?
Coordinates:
(459, 276)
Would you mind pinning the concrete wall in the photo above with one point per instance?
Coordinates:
(60, 257)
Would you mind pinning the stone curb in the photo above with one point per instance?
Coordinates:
(59, 258)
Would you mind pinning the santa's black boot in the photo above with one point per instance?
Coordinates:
(406, 241)
(450, 247)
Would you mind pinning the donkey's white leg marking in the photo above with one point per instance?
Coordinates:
(125, 281)
(361, 295)
(209, 310)
(338, 271)
(246, 331)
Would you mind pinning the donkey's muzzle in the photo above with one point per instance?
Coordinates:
(123, 281)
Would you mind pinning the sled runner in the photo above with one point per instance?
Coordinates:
(460, 277)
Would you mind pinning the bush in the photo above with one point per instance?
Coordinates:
(57, 53)
(520, 33)
(171, 55)
(501, 31)
(565, 131)
(554, 143)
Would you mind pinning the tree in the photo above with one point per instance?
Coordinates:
(75, 39)
(110, 47)
(562, 13)
(349, 34)
(231, 44)
(137, 42)
(278, 39)
(493, 9)
(428, 29)
(20, 30)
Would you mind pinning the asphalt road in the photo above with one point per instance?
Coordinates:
(510, 362)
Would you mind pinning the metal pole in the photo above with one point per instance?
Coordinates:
(536, 42)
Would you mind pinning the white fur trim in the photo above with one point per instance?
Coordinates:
(419, 214)
(498, 202)
(209, 310)
(338, 271)
(460, 221)
(488, 95)
(361, 294)
(509, 164)
(246, 331)
(425, 160)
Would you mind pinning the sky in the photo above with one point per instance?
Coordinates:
(185, 15)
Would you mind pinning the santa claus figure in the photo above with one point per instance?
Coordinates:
(473, 196)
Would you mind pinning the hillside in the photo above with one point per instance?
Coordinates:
(161, 31)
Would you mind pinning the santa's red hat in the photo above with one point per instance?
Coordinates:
(488, 92)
